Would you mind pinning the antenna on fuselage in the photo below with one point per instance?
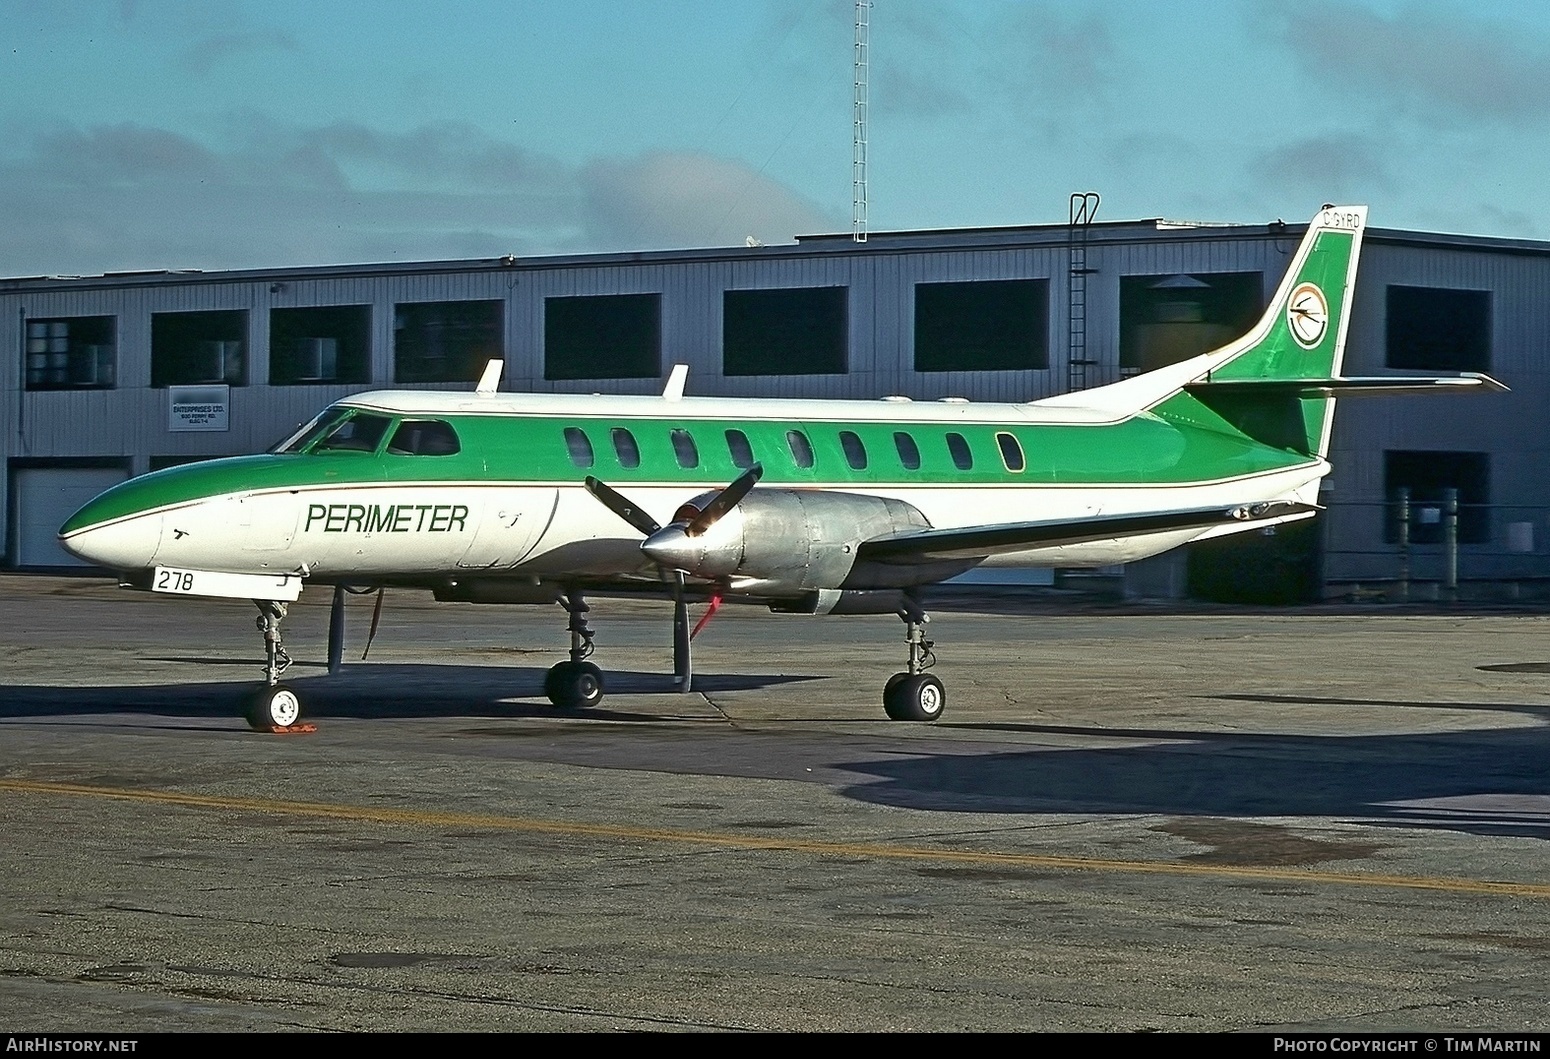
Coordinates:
(674, 390)
(490, 381)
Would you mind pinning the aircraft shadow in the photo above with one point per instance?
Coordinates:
(1488, 782)
(370, 691)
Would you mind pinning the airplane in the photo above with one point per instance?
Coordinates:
(805, 506)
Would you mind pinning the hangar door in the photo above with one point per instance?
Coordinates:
(44, 497)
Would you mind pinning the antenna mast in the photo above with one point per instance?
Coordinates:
(858, 132)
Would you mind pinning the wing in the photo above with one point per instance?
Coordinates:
(978, 542)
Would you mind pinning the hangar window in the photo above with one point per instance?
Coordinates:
(909, 452)
(446, 341)
(579, 446)
(199, 347)
(1427, 477)
(1011, 452)
(958, 448)
(611, 336)
(855, 451)
(424, 437)
(684, 449)
(739, 449)
(73, 353)
(1164, 319)
(362, 432)
(324, 344)
(625, 448)
(788, 331)
(1435, 329)
(993, 325)
(801, 448)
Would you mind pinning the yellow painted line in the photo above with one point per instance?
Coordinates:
(713, 839)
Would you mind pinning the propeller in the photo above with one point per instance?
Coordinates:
(669, 546)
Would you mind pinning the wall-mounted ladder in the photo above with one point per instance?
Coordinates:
(1084, 206)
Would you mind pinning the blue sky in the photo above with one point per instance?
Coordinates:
(141, 134)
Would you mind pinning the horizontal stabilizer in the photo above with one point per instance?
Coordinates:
(1354, 386)
(977, 542)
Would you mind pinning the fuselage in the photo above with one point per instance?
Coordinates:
(416, 485)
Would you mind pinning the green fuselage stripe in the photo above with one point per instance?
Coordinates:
(1160, 448)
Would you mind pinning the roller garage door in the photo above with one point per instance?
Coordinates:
(43, 497)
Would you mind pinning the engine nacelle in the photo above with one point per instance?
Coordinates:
(784, 540)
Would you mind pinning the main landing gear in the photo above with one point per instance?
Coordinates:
(576, 684)
(915, 695)
(274, 706)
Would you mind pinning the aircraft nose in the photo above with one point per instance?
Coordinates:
(124, 544)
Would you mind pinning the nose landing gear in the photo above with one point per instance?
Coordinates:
(273, 707)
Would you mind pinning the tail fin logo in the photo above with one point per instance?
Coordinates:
(1307, 315)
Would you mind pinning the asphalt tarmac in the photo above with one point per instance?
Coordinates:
(1141, 818)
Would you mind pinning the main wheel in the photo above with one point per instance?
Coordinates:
(914, 698)
(574, 685)
(274, 707)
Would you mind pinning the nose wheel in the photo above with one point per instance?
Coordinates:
(274, 707)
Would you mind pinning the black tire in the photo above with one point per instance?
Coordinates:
(914, 698)
(271, 708)
(574, 685)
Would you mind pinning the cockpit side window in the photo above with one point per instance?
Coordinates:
(424, 437)
(362, 432)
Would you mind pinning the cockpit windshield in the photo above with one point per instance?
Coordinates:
(310, 432)
(362, 432)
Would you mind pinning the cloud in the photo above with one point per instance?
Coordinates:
(216, 49)
(683, 200)
(1335, 165)
(126, 196)
(1421, 58)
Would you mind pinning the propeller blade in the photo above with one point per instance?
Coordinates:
(615, 501)
(376, 616)
(725, 501)
(336, 632)
(683, 660)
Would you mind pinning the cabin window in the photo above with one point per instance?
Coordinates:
(625, 448)
(909, 452)
(424, 437)
(739, 449)
(801, 448)
(684, 449)
(855, 451)
(1011, 452)
(579, 446)
(362, 432)
(74, 353)
(958, 448)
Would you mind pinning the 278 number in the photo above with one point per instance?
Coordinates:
(175, 581)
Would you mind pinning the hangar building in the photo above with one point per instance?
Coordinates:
(124, 373)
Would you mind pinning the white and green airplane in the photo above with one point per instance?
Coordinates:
(833, 506)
